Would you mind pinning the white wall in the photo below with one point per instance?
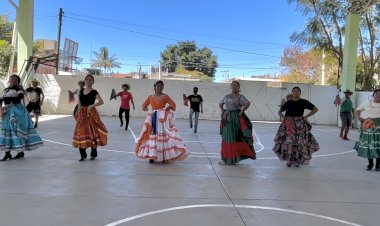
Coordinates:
(264, 100)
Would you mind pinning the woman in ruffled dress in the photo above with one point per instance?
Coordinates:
(90, 132)
(17, 129)
(368, 145)
(160, 140)
(294, 142)
(235, 128)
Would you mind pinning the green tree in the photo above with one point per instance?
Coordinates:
(369, 48)
(324, 27)
(169, 58)
(6, 51)
(325, 30)
(304, 66)
(37, 49)
(6, 28)
(104, 60)
(208, 61)
(186, 55)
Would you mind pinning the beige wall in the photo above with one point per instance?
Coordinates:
(264, 100)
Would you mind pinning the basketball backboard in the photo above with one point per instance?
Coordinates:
(68, 55)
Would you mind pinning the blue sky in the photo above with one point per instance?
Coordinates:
(247, 36)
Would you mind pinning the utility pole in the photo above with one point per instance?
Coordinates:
(159, 70)
(59, 38)
(226, 75)
(323, 67)
(150, 72)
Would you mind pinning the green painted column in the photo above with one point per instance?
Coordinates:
(350, 55)
(24, 19)
(350, 51)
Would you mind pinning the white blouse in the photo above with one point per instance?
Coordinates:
(370, 109)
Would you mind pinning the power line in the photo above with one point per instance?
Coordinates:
(179, 32)
(40, 18)
(122, 64)
(205, 66)
(251, 68)
(220, 65)
(171, 39)
(46, 14)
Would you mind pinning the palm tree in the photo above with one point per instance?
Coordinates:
(104, 60)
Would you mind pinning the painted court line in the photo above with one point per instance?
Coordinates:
(196, 141)
(315, 156)
(337, 134)
(256, 137)
(195, 154)
(335, 131)
(261, 148)
(215, 135)
(192, 154)
(205, 142)
(232, 206)
(207, 155)
(48, 133)
(133, 134)
(70, 145)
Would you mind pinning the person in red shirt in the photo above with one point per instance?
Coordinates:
(125, 98)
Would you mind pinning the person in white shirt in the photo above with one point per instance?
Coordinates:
(368, 145)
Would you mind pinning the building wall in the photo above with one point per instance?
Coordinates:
(264, 100)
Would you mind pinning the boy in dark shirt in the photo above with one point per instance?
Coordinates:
(195, 106)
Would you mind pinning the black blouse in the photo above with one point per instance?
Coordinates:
(12, 95)
(89, 99)
(296, 108)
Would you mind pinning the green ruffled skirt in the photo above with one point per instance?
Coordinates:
(368, 145)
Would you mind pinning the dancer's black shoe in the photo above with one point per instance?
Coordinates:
(19, 155)
(6, 156)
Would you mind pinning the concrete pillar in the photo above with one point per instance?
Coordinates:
(350, 55)
(350, 52)
(24, 20)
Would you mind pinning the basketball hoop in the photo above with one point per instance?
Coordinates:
(69, 54)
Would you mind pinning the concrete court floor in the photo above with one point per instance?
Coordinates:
(50, 187)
